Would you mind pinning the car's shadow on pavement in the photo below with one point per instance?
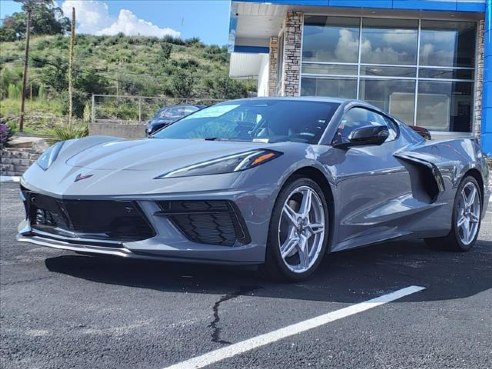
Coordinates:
(351, 276)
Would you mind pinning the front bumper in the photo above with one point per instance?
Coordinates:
(246, 255)
(169, 242)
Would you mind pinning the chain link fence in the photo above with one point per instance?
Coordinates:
(135, 109)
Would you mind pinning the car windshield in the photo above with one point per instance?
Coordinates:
(261, 120)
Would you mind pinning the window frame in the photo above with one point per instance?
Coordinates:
(455, 77)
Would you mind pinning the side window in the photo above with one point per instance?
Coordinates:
(392, 127)
(360, 117)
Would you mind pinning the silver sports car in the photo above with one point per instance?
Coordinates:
(273, 181)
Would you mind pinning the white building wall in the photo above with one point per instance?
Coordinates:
(263, 76)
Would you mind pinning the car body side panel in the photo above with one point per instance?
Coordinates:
(373, 197)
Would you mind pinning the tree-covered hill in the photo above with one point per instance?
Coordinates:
(124, 65)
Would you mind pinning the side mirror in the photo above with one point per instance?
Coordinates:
(366, 135)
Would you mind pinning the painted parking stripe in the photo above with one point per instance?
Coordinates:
(291, 330)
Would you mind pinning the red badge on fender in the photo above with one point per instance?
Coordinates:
(81, 176)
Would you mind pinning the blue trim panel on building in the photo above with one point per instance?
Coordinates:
(232, 27)
(486, 128)
(434, 5)
(251, 49)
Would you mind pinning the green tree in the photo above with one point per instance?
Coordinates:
(220, 86)
(166, 49)
(47, 19)
(183, 83)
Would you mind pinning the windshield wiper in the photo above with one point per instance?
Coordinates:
(225, 139)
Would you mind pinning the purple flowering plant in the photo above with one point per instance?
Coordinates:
(6, 132)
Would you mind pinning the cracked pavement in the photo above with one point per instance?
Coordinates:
(62, 310)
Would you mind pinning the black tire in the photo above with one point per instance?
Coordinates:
(453, 240)
(274, 266)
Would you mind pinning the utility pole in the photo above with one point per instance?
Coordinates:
(70, 70)
(26, 63)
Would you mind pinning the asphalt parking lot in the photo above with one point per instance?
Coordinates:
(62, 310)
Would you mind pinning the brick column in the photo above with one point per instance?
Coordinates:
(292, 53)
(477, 114)
(272, 69)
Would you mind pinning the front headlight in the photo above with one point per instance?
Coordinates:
(49, 156)
(226, 164)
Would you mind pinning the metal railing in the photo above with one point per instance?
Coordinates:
(126, 109)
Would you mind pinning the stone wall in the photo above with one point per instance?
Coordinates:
(272, 69)
(15, 161)
(292, 53)
(477, 115)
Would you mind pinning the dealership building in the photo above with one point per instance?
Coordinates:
(428, 62)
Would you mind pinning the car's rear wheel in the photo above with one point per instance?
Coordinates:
(298, 231)
(467, 215)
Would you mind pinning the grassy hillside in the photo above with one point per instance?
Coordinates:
(113, 65)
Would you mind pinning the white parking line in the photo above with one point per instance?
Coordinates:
(291, 330)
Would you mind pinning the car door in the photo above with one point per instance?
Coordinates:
(370, 183)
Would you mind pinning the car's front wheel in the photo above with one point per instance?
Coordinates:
(298, 232)
(467, 214)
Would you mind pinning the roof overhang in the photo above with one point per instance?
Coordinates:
(253, 22)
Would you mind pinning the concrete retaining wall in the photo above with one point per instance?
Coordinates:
(125, 130)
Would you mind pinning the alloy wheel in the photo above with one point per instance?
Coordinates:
(469, 211)
(301, 229)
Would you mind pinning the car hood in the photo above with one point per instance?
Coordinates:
(155, 154)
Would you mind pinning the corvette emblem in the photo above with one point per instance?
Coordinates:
(81, 176)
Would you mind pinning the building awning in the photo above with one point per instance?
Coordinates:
(253, 22)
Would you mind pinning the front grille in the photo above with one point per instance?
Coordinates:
(91, 219)
(214, 222)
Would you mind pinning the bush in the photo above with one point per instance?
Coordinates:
(66, 132)
(14, 91)
(6, 133)
(87, 113)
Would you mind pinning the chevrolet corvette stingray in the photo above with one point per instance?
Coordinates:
(278, 182)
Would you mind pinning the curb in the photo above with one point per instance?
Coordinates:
(5, 179)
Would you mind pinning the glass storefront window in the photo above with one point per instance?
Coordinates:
(389, 41)
(333, 69)
(431, 85)
(331, 39)
(449, 44)
(445, 106)
(392, 95)
(381, 71)
(443, 73)
(335, 87)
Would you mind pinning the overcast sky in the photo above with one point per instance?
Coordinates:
(208, 20)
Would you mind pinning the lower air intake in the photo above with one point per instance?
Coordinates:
(209, 222)
(87, 219)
